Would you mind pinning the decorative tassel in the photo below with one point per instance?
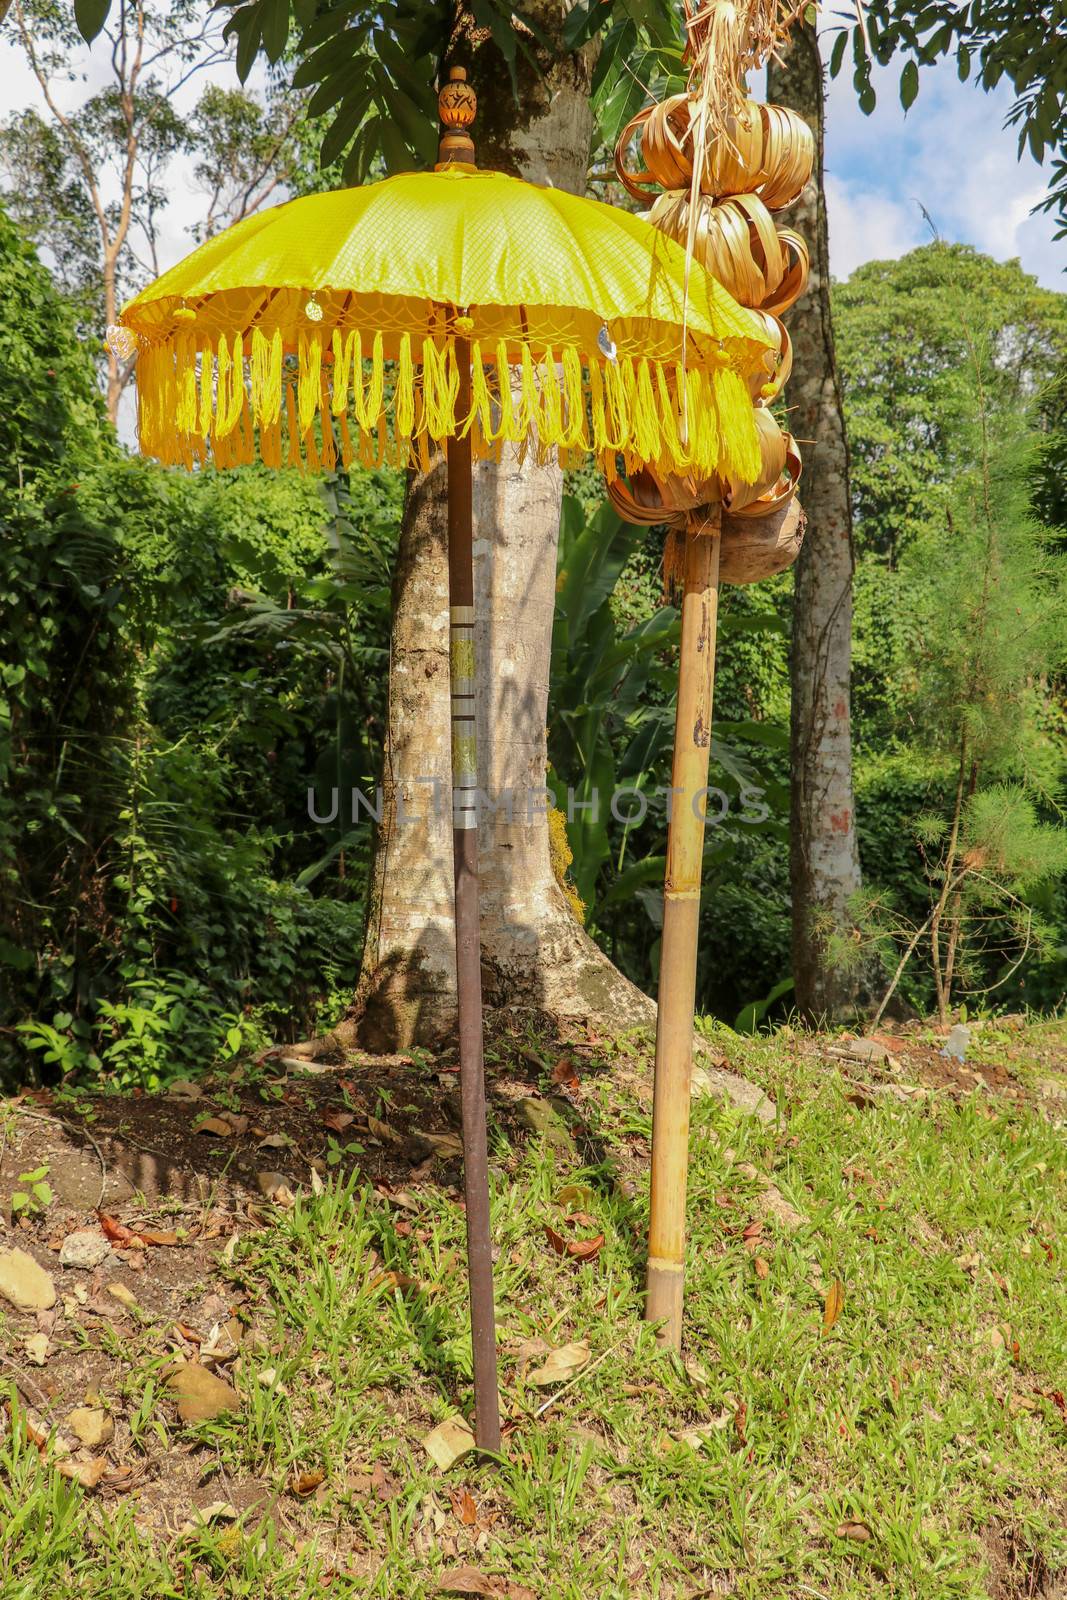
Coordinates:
(573, 434)
(266, 375)
(404, 401)
(206, 375)
(530, 407)
(509, 425)
(310, 354)
(550, 425)
(197, 403)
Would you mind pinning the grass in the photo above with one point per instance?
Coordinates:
(926, 1413)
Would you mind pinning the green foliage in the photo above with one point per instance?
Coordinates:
(89, 184)
(1048, 474)
(611, 729)
(156, 907)
(987, 601)
(904, 330)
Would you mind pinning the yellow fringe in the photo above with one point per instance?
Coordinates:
(235, 397)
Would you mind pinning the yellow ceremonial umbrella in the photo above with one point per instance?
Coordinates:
(462, 309)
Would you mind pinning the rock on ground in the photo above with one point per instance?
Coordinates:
(25, 1283)
(85, 1247)
(200, 1394)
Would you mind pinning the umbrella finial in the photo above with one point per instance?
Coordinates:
(457, 105)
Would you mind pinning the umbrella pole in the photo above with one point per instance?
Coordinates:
(681, 917)
(468, 940)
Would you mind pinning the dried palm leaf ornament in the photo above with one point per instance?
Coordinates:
(715, 168)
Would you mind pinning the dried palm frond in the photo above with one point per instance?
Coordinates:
(726, 40)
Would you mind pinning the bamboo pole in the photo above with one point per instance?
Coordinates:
(681, 915)
(457, 106)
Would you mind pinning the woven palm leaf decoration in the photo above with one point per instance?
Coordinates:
(716, 168)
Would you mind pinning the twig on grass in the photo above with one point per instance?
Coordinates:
(583, 1372)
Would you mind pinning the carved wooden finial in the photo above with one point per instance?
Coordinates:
(457, 104)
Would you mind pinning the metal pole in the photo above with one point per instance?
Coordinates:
(681, 918)
(468, 940)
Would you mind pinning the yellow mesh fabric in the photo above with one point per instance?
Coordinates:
(340, 311)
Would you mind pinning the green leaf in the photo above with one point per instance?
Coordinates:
(393, 146)
(337, 52)
(909, 84)
(837, 54)
(90, 15)
(584, 19)
(963, 63)
(618, 41)
(341, 85)
(248, 40)
(343, 127)
(275, 27)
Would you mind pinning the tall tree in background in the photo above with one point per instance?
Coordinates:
(824, 857)
(89, 185)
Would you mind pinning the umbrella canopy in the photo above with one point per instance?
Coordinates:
(618, 354)
(463, 309)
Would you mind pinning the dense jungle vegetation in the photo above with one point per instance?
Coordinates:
(183, 657)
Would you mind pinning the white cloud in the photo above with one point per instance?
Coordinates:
(867, 226)
(953, 154)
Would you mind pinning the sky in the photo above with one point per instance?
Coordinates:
(950, 154)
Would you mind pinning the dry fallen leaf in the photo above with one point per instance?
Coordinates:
(274, 1141)
(565, 1073)
(87, 1473)
(304, 1483)
(833, 1304)
(382, 1130)
(445, 1145)
(215, 1125)
(762, 1268)
(338, 1121)
(858, 1532)
(449, 1441)
(561, 1364)
(37, 1349)
(577, 1249)
(124, 1296)
(468, 1580)
(464, 1508)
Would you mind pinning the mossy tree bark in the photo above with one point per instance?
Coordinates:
(824, 861)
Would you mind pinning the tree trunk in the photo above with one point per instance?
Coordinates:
(535, 955)
(824, 861)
